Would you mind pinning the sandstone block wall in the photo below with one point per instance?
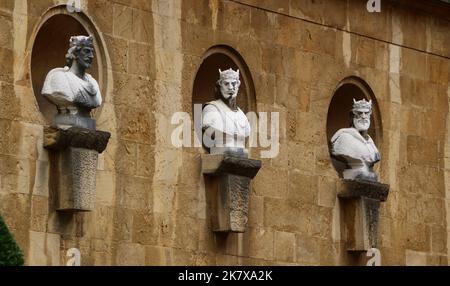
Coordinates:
(152, 207)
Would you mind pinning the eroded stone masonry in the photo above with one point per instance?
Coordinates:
(147, 201)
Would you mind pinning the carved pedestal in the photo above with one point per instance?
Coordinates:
(74, 153)
(361, 203)
(229, 180)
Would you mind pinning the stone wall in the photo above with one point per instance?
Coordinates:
(152, 207)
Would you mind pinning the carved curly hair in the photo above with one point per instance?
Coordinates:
(76, 44)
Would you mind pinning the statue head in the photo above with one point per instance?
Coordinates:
(81, 50)
(228, 83)
(361, 110)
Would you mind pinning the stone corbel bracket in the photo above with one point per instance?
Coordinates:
(361, 205)
(74, 164)
(230, 183)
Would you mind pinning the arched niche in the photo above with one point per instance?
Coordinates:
(339, 112)
(223, 57)
(49, 48)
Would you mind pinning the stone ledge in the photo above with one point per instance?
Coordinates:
(368, 189)
(60, 139)
(227, 164)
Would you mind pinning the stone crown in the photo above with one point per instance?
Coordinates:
(77, 41)
(229, 74)
(362, 105)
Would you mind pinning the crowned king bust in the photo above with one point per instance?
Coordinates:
(74, 92)
(225, 129)
(223, 122)
(354, 147)
(73, 139)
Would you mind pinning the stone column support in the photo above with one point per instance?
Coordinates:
(361, 204)
(230, 179)
(74, 155)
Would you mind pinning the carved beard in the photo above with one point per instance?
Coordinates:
(84, 63)
(230, 101)
(361, 124)
(228, 95)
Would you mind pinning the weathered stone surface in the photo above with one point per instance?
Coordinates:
(6, 65)
(417, 236)
(279, 214)
(438, 240)
(152, 206)
(301, 157)
(44, 249)
(355, 189)
(123, 21)
(430, 152)
(134, 192)
(136, 124)
(60, 139)
(7, 5)
(319, 11)
(361, 205)
(105, 187)
(260, 243)
(145, 228)
(142, 26)
(232, 203)
(142, 54)
(157, 256)
(327, 192)
(73, 165)
(256, 211)
(362, 22)
(307, 250)
(102, 11)
(133, 90)
(186, 234)
(223, 164)
(118, 52)
(130, 254)
(301, 187)
(123, 224)
(416, 258)
(74, 172)
(6, 38)
(284, 249)
(39, 213)
(414, 64)
(231, 189)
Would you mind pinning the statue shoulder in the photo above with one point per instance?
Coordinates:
(215, 106)
(57, 72)
(56, 81)
(92, 80)
(345, 133)
(216, 103)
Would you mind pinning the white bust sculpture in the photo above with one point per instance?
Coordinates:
(222, 120)
(354, 147)
(74, 92)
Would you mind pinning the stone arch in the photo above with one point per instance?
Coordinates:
(48, 46)
(339, 111)
(222, 57)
